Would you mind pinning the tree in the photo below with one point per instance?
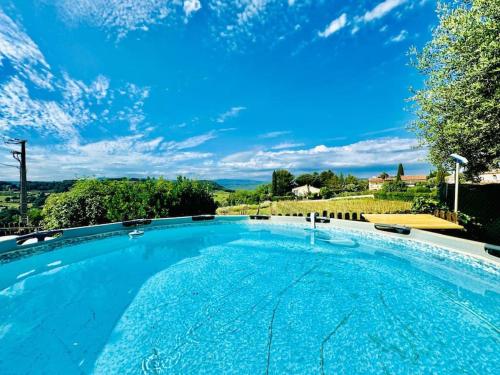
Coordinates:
(457, 109)
(282, 182)
(274, 186)
(325, 176)
(313, 179)
(383, 175)
(304, 179)
(401, 172)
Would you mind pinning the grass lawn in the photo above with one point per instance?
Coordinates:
(368, 205)
(220, 196)
(12, 196)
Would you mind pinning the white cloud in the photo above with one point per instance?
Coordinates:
(25, 56)
(382, 9)
(382, 151)
(117, 157)
(139, 155)
(191, 6)
(232, 112)
(251, 9)
(286, 145)
(120, 17)
(72, 105)
(17, 108)
(190, 142)
(400, 37)
(334, 26)
(274, 134)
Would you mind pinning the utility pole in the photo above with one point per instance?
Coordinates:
(20, 156)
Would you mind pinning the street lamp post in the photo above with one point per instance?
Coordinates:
(459, 160)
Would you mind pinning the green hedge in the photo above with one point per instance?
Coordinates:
(407, 196)
(93, 201)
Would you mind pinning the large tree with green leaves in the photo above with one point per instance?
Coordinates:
(458, 108)
(282, 182)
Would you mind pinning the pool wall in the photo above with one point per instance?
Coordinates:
(465, 247)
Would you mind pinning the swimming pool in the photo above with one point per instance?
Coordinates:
(248, 297)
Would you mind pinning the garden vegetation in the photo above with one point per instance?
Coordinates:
(93, 201)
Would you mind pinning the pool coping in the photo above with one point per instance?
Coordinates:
(457, 245)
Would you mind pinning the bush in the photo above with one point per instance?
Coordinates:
(426, 205)
(419, 189)
(85, 204)
(406, 196)
(394, 186)
(34, 216)
(92, 202)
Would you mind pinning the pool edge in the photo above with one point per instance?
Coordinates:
(461, 246)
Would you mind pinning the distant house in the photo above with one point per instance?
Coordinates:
(304, 191)
(375, 183)
(490, 177)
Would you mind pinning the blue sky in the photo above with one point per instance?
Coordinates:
(210, 88)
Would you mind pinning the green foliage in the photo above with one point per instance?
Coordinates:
(437, 177)
(423, 204)
(34, 216)
(282, 182)
(9, 215)
(406, 196)
(393, 186)
(94, 201)
(312, 179)
(84, 204)
(401, 172)
(457, 110)
(383, 175)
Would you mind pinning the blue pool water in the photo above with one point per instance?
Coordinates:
(248, 298)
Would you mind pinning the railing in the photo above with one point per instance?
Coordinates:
(8, 229)
(342, 215)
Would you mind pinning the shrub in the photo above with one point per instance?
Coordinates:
(394, 186)
(84, 204)
(426, 205)
(92, 202)
(407, 196)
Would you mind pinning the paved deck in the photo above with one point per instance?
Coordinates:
(418, 221)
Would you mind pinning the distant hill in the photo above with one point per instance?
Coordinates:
(60, 186)
(234, 184)
(214, 185)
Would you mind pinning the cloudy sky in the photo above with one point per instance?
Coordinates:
(209, 88)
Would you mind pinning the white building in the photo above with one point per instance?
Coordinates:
(490, 177)
(304, 191)
(376, 183)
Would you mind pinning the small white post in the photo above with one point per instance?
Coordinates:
(457, 170)
(312, 215)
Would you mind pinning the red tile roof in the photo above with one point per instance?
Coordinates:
(417, 178)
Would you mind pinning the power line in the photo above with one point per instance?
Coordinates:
(9, 165)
